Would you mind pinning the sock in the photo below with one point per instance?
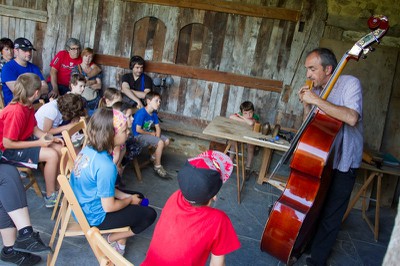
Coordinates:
(157, 166)
(26, 231)
(122, 247)
(8, 250)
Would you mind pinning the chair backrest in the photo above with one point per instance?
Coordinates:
(39, 104)
(105, 254)
(73, 203)
(66, 163)
(79, 128)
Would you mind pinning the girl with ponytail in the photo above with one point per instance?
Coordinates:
(22, 142)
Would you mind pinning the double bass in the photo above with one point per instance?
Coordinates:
(293, 216)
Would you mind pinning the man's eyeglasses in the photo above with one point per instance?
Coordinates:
(74, 49)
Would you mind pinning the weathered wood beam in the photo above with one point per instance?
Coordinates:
(196, 73)
(230, 7)
(24, 13)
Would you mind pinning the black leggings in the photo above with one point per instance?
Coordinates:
(136, 217)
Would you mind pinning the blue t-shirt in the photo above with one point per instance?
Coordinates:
(93, 178)
(11, 71)
(144, 120)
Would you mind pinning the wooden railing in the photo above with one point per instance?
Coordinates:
(196, 73)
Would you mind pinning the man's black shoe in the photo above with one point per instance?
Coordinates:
(20, 258)
(31, 243)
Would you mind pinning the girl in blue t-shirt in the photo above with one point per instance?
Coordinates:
(93, 182)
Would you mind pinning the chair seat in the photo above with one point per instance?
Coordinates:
(74, 229)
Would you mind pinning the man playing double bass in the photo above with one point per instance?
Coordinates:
(345, 104)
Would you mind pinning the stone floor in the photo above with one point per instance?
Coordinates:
(355, 244)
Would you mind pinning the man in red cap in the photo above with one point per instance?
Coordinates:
(189, 229)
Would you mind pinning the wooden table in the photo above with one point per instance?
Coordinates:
(225, 128)
(371, 172)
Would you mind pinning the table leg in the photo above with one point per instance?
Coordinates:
(378, 206)
(264, 165)
(357, 196)
(237, 170)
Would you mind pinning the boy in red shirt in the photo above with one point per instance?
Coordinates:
(189, 229)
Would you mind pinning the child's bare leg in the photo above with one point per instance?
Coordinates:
(232, 149)
(250, 155)
(57, 147)
(158, 153)
(121, 237)
(51, 158)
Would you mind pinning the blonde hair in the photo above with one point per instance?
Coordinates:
(25, 87)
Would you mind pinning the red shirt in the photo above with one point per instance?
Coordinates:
(186, 235)
(17, 122)
(64, 65)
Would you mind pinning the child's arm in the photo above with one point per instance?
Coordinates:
(217, 260)
(119, 201)
(158, 130)
(242, 119)
(141, 131)
(48, 126)
(12, 144)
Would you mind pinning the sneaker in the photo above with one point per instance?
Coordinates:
(20, 258)
(50, 202)
(114, 245)
(161, 172)
(31, 243)
(117, 248)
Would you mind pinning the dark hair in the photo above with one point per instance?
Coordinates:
(71, 106)
(136, 60)
(246, 106)
(5, 42)
(75, 77)
(328, 58)
(150, 95)
(25, 86)
(100, 130)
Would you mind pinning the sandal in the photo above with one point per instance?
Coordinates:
(161, 171)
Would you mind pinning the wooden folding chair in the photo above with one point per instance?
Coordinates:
(80, 127)
(32, 180)
(69, 227)
(104, 252)
(66, 165)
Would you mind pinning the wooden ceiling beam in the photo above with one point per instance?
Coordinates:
(230, 7)
(24, 13)
(195, 73)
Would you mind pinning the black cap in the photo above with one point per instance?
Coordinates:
(201, 177)
(23, 44)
